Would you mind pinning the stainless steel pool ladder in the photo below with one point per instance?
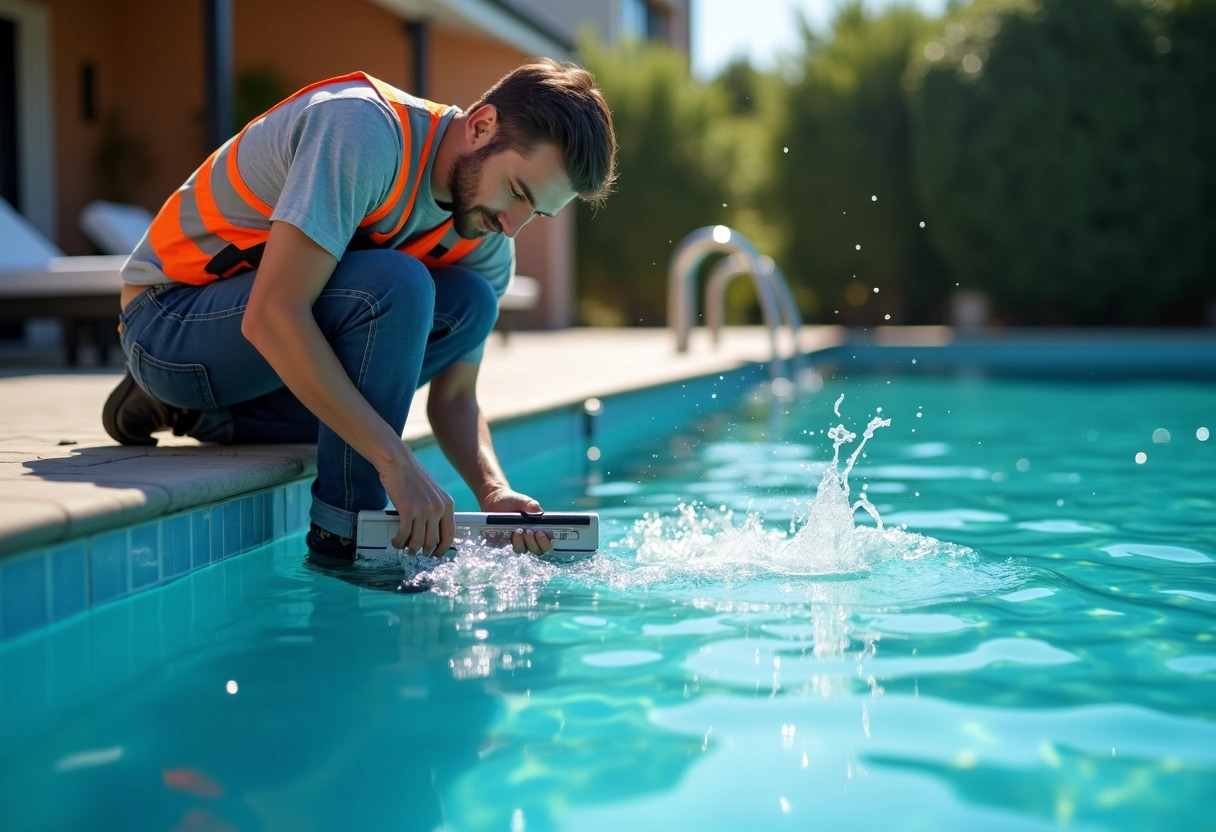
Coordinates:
(772, 291)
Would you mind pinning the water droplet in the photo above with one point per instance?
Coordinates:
(1202, 434)
(785, 806)
(721, 234)
(785, 150)
(1161, 436)
(876, 290)
(231, 687)
(593, 453)
(922, 223)
(858, 246)
(886, 317)
(873, 199)
(1023, 465)
(1141, 458)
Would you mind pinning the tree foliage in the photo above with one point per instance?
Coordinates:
(1057, 156)
(840, 173)
(672, 174)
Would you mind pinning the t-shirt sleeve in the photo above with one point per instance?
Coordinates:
(493, 259)
(345, 154)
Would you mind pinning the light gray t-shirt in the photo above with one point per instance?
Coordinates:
(323, 161)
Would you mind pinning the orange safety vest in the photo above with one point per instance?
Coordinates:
(185, 261)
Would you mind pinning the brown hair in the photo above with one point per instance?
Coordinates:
(548, 101)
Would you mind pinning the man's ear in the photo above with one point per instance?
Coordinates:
(481, 125)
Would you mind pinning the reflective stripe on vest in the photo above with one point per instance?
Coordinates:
(440, 246)
(182, 258)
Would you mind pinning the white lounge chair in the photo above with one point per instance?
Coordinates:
(115, 228)
(38, 280)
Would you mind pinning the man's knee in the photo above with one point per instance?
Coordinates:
(386, 284)
(467, 299)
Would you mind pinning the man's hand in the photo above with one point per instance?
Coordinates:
(522, 540)
(463, 434)
(425, 509)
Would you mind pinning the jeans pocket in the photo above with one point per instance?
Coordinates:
(177, 385)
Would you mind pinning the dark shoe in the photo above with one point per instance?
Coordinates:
(327, 544)
(131, 416)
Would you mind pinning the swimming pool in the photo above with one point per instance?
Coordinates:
(1034, 651)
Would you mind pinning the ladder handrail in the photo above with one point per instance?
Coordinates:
(776, 301)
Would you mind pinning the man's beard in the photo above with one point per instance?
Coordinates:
(467, 216)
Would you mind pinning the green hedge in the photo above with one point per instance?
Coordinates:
(671, 180)
(1061, 157)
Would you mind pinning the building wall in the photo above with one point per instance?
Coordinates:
(603, 17)
(147, 61)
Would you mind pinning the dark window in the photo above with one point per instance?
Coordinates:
(10, 183)
(643, 20)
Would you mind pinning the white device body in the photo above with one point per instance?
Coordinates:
(575, 535)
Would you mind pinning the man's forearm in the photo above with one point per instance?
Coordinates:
(463, 435)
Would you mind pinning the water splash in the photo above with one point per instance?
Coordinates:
(482, 574)
(698, 547)
(705, 544)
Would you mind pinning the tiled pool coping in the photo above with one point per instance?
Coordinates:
(136, 537)
(53, 583)
(86, 523)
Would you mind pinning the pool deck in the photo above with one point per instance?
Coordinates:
(63, 478)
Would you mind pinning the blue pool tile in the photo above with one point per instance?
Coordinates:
(27, 661)
(232, 528)
(278, 512)
(291, 507)
(111, 646)
(303, 504)
(217, 534)
(251, 521)
(175, 536)
(177, 616)
(207, 590)
(69, 579)
(70, 665)
(200, 534)
(268, 530)
(23, 594)
(145, 637)
(145, 555)
(108, 566)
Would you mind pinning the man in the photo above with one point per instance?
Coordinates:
(344, 248)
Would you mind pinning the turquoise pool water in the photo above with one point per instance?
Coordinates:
(1027, 643)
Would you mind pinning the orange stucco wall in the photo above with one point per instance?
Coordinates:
(148, 61)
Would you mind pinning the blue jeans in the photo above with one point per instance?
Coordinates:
(393, 324)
